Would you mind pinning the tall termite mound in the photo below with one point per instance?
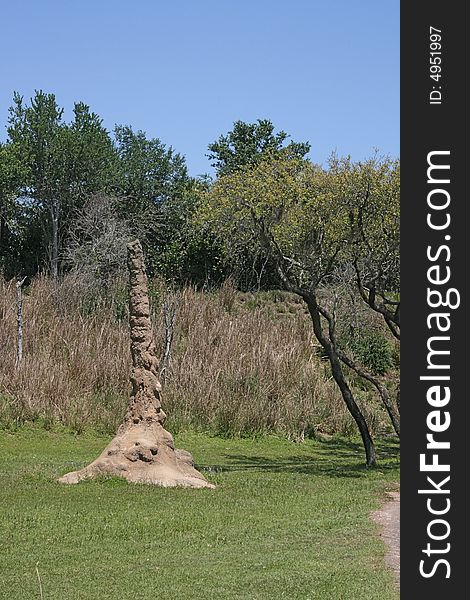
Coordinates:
(142, 450)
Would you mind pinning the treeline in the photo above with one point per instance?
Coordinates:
(72, 195)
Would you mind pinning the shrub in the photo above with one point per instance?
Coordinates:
(374, 351)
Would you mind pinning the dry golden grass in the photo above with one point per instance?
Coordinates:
(241, 364)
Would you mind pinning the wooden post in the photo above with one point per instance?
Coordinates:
(19, 320)
(169, 314)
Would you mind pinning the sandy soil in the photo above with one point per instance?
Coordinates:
(388, 517)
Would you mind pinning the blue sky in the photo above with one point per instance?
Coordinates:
(184, 71)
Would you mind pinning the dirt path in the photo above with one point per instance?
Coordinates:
(388, 517)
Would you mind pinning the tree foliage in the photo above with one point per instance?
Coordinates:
(248, 143)
(10, 227)
(322, 229)
(61, 163)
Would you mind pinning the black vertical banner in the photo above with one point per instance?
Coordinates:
(435, 256)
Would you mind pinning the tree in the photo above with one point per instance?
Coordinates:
(9, 175)
(247, 143)
(92, 158)
(36, 132)
(63, 163)
(299, 215)
(373, 190)
(151, 180)
(374, 209)
(158, 199)
(149, 172)
(96, 245)
(189, 252)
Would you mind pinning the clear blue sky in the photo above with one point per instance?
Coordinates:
(184, 71)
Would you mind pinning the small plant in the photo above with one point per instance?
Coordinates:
(373, 350)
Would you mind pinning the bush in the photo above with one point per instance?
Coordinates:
(373, 350)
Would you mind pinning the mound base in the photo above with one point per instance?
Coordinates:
(143, 453)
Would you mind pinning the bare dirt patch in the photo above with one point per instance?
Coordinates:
(388, 517)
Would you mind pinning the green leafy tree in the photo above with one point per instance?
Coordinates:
(12, 233)
(37, 134)
(149, 172)
(301, 216)
(157, 198)
(374, 212)
(62, 163)
(247, 143)
(92, 159)
(191, 253)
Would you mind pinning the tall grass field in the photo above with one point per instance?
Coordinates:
(241, 364)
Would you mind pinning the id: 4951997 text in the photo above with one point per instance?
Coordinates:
(435, 68)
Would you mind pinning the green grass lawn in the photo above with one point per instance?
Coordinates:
(286, 521)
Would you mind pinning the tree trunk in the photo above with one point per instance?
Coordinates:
(340, 379)
(383, 392)
(142, 451)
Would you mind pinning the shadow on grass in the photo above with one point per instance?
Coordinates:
(336, 458)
